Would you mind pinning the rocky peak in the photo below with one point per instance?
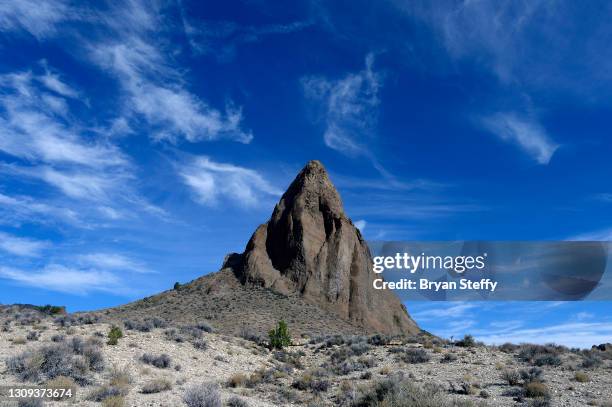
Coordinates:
(310, 247)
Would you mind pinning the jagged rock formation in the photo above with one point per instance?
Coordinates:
(308, 265)
(310, 247)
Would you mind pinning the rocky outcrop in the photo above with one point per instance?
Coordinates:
(310, 247)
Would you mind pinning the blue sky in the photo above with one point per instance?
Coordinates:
(142, 141)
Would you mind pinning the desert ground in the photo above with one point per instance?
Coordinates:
(156, 364)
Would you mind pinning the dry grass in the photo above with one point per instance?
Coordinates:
(114, 401)
(581, 377)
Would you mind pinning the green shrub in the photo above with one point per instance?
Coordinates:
(114, 335)
(177, 286)
(279, 337)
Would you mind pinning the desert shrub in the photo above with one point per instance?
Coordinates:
(85, 319)
(539, 402)
(161, 361)
(536, 390)
(542, 354)
(547, 360)
(237, 380)
(173, 335)
(468, 341)
(279, 337)
(120, 377)
(508, 347)
(156, 386)
(94, 358)
(114, 401)
(484, 394)
(30, 403)
(309, 382)
(535, 374)
(591, 361)
(191, 331)
(58, 338)
(202, 395)
(140, 326)
(177, 286)
(105, 392)
(63, 321)
(260, 376)
(291, 358)
(513, 377)
(200, 344)
(204, 327)
(467, 388)
(359, 348)
(448, 358)
(412, 355)
(49, 362)
(119, 380)
(157, 322)
(61, 382)
(89, 350)
(25, 366)
(379, 340)
(114, 335)
(349, 366)
(236, 402)
(32, 336)
(398, 392)
(247, 333)
(581, 377)
(77, 344)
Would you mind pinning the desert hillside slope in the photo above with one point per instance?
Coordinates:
(308, 265)
(155, 365)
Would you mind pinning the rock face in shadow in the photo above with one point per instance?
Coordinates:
(311, 248)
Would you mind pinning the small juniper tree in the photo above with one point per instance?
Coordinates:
(177, 286)
(279, 337)
(113, 335)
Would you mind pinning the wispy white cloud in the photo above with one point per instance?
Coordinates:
(153, 88)
(65, 279)
(113, 261)
(350, 108)
(572, 334)
(126, 41)
(20, 246)
(53, 82)
(52, 146)
(39, 18)
(31, 129)
(15, 210)
(212, 181)
(222, 38)
(449, 310)
(525, 132)
(604, 235)
(603, 197)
